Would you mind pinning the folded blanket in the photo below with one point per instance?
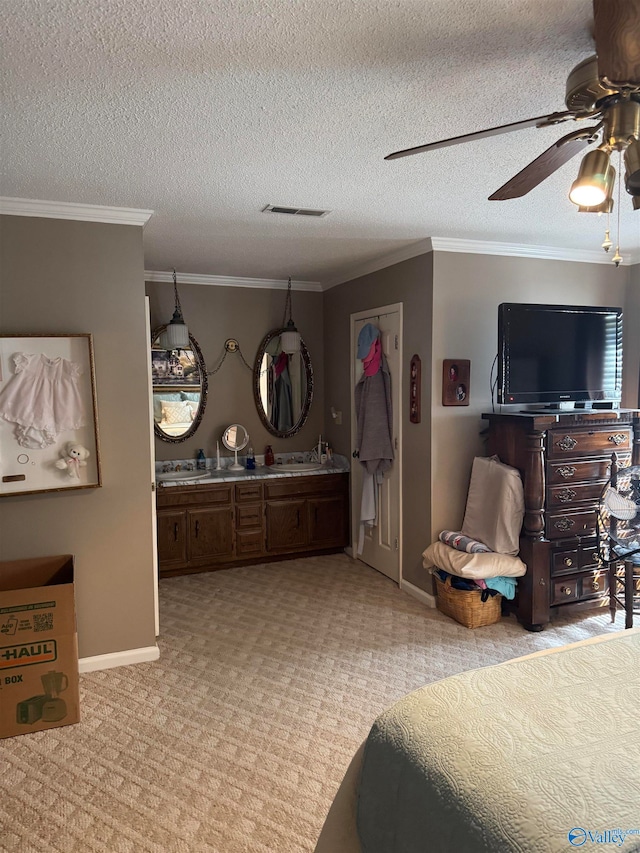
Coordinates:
(463, 543)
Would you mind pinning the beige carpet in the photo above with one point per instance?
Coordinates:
(237, 739)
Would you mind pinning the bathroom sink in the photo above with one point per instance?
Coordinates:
(297, 466)
(182, 475)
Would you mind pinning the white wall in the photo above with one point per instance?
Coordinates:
(467, 290)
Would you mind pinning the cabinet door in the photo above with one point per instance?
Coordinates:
(286, 525)
(172, 537)
(210, 533)
(327, 524)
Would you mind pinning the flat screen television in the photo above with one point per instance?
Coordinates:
(551, 354)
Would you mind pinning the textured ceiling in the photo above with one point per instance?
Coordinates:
(207, 111)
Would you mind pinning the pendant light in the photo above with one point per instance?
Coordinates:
(176, 334)
(290, 338)
(590, 187)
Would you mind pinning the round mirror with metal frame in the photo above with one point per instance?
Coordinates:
(235, 438)
(282, 386)
(179, 388)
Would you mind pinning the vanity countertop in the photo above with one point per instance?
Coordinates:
(337, 465)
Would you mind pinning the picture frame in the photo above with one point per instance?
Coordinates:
(456, 373)
(174, 368)
(49, 439)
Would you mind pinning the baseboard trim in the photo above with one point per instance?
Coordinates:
(96, 662)
(416, 592)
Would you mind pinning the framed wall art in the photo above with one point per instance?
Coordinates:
(456, 373)
(48, 414)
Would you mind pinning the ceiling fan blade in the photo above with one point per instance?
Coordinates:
(546, 164)
(540, 121)
(617, 37)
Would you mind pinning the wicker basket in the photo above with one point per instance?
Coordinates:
(467, 606)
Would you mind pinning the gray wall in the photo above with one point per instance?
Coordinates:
(409, 282)
(60, 276)
(467, 290)
(214, 314)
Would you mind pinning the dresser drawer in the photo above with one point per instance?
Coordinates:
(568, 495)
(588, 469)
(195, 496)
(588, 442)
(560, 525)
(580, 587)
(574, 559)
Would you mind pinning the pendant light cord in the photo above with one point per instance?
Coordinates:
(175, 293)
(287, 304)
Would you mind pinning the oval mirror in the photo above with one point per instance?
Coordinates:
(282, 386)
(179, 388)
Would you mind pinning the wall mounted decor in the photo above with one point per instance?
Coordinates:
(455, 381)
(48, 414)
(415, 373)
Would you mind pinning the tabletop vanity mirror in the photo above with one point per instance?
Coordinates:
(179, 388)
(235, 438)
(282, 386)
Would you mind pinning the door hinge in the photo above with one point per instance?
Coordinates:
(396, 342)
(395, 442)
(396, 544)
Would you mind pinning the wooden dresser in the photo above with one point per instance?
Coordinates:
(564, 461)
(207, 526)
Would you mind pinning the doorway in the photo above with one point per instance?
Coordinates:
(382, 549)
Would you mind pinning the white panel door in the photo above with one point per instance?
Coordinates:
(382, 543)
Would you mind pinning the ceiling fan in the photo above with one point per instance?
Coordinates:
(604, 88)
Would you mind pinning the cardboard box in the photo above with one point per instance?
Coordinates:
(39, 682)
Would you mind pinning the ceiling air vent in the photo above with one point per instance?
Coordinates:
(294, 211)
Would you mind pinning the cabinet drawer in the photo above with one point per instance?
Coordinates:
(249, 516)
(568, 495)
(560, 525)
(590, 469)
(199, 496)
(248, 492)
(295, 486)
(588, 442)
(249, 542)
(565, 590)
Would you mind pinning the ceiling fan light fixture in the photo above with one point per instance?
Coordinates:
(607, 205)
(590, 187)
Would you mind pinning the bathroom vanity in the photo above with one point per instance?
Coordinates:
(223, 520)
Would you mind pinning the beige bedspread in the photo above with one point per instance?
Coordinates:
(508, 758)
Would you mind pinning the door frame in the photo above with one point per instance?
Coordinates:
(152, 456)
(355, 502)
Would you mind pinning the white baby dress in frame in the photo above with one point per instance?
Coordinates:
(42, 399)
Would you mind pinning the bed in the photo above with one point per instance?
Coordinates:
(537, 755)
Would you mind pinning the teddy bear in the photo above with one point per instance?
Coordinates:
(73, 458)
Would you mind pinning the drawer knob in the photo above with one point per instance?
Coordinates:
(618, 438)
(595, 585)
(566, 495)
(566, 471)
(567, 443)
(568, 562)
(564, 524)
(566, 590)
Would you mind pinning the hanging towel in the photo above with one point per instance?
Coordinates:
(371, 362)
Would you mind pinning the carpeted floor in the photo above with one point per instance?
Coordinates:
(237, 738)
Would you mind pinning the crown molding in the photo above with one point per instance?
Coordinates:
(71, 210)
(412, 250)
(231, 281)
(518, 250)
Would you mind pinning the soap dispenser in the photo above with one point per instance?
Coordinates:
(269, 458)
(201, 461)
(251, 459)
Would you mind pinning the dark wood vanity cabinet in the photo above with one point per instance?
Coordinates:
(220, 525)
(564, 461)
